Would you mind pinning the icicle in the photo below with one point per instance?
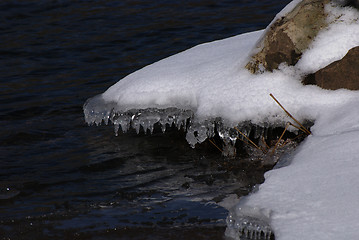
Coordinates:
(170, 120)
(191, 138)
(116, 129)
(228, 149)
(125, 126)
(136, 125)
(151, 127)
(145, 127)
(250, 222)
(245, 232)
(232, 134)
(179, 125)
(163, 127)
(121, 120)
(251, 233)
(210, 129)
(258, 132)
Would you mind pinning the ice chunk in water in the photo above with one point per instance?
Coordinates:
(249, 223)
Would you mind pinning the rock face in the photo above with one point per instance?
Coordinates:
(289, 36)
(343, 73)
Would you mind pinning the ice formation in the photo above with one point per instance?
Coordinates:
(250, 223)
(146, 119)
(98, 111)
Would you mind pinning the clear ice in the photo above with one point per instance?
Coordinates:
(98, 111)
(244, 222)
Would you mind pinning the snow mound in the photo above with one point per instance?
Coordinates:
(209, 82)
(315, 197)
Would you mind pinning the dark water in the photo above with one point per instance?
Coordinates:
(59, 178)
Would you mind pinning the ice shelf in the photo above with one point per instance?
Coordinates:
(197, 131)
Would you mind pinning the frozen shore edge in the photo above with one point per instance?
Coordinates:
(211, 84)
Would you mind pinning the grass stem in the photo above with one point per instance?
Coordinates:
(215, 145)
(249, 140)
(280, 138)
(290, 115)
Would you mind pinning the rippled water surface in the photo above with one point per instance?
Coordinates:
(61, 179)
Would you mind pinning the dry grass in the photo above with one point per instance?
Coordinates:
(302, 128)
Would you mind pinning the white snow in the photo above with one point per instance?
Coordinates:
(316, 196)
(177, 81)
(344, 31)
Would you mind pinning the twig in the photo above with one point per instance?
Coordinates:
(280, 138)
(265, 143)
(249, 140)
(299, 128)
(298, 136)
(290, 115)
(215, 145)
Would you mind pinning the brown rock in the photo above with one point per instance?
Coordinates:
(343, 73)
(289, 36)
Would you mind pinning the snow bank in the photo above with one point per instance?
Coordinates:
(315, 197)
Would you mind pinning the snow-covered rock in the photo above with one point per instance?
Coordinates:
(289, 36)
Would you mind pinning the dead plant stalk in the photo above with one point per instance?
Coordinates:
(290, 115)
